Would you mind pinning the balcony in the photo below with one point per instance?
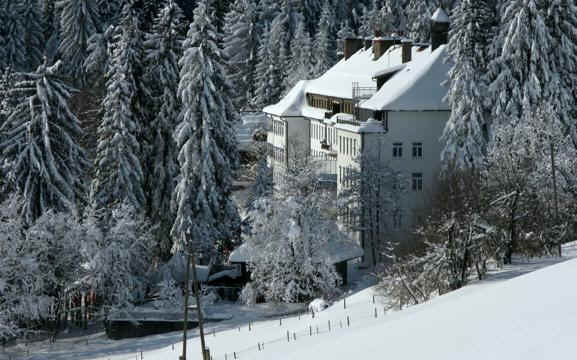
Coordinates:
(348, 121)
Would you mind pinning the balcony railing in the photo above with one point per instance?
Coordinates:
(348, 121)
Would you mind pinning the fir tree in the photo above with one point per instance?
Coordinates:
(46, 163)
(206, 216)
(325, 43)
(419, 14)
(561, 21)
(466, 132)
(78, 22)
(240, 47)
(345, 32)
(13, 49)
(163, 49)
(30, 15)
(523, 69)
(119, 175)
(268, 79)
(301, 66)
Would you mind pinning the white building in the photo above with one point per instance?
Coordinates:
(384, 98)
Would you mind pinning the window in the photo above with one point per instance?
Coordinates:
(417, 181)
(417, 150)
(397, 150)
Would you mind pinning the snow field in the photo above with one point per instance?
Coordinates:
(530, 317)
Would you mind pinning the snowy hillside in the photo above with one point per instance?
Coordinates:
(529, 317)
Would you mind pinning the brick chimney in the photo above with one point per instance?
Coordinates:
(382, 44)
(407, 50)
(352, 46)
(439, 28)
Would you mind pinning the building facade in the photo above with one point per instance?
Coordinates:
(384, 101)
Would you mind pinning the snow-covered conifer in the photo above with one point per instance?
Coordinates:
(13, 47)
(466, 132)
(119, 174)
(301, 65)
(561, 21)
(419, 18)
(394, 17)
(325, 42)
(163, 50)
(206, 216)
(47, 165)
(268, 78)
(522, 70)
(79, 20)
(97, 63)
(29, 12)
(345, 32)
(240, 47)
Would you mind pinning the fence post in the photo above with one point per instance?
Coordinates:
(348, 321)
(288, 336)
(329, 326)
(310, 330)
(280, 321)
(373, 299)
(249, 327)
(344, 303)
(375, 313)
(294, 336)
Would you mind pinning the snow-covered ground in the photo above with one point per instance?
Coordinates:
(517, 313)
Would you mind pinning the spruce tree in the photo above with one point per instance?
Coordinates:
(240, 47)
(301, 65)
(206, 218)
(268, 78)
(13, 49)
(29, 12)
(46, 163)
(163, 50)
(561, 21)
(79, 20)
(466, 132)
(119, 175)
(325, 42)
(521, 72)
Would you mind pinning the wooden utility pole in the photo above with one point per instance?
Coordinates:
(185, 322)
(555, 199)
(205, 354)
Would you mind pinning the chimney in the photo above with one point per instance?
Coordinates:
(381, 45)
(407, 50)
(439, 28)
(352, 46)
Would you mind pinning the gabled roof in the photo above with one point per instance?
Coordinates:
(440, 16)
(291, 104)
(417, 87)
(359, 68)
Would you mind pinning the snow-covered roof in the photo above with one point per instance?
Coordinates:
(417, 87)
(342, 250)
(336, 251)
(371, 126)
(291, 104)
(440, 16)
(360, 68)
(240, 254)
